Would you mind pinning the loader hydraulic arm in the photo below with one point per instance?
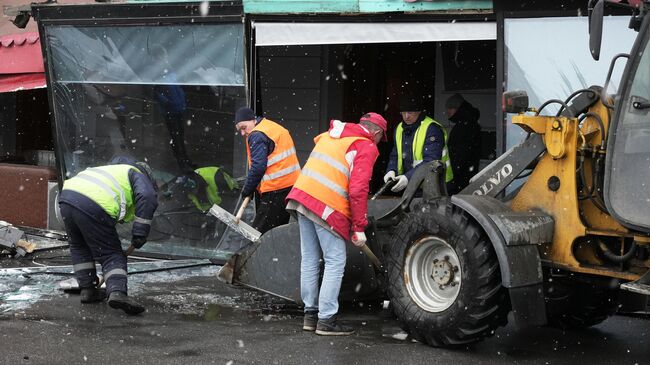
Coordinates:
(493, 179)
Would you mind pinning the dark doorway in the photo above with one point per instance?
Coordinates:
(377, 74)
(304, 87)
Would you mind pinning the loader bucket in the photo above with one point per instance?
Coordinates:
(272, 264)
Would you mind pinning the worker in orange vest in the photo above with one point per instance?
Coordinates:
(330, 198)
(273, 167)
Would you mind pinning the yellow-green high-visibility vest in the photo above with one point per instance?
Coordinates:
(209, 175)
(418, 147)
(109, 187)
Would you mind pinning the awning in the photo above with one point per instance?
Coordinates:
(9, 83)
(21, 62)
(291, 34)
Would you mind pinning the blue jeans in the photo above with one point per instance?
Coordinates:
(314, 241)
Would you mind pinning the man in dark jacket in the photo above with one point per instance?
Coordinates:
(92, 203)
(418, 139)
(464, 142)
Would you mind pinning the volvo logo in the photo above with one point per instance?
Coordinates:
(494, 181)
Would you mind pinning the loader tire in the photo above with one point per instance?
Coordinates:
(437, 245)
(574, 301)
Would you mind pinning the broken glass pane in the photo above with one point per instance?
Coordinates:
(161, 94)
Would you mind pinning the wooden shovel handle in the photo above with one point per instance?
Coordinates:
(240, 212)
(375, 261)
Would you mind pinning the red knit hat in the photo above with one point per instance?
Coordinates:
(377, 120)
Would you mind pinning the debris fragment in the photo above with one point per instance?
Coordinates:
(10, 240)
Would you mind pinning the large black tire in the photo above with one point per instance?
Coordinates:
(575, 301)
(430, 315)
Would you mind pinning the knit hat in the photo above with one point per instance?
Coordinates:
(244, 113)
(148, 172)
(410, 103)
(454, 101)
(377, 120)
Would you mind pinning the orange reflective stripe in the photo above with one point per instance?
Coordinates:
(326, 175)
(282, 167)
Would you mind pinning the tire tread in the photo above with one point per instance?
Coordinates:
(488, 305)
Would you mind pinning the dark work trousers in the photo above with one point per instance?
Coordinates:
(270, 209)
(92, 240)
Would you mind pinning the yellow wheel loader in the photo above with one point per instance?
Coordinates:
(558, 249)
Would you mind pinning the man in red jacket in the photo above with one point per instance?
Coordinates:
(330, 198)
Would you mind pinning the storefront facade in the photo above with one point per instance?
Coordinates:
(160, 81)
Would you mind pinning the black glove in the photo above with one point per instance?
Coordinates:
(138, 241)
(246, 194)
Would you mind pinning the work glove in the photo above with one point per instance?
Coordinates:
(390, 175)
(138, 241)
(359, 239)
(401, 183)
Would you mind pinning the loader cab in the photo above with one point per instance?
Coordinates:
(627, 170)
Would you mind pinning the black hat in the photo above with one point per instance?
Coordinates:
(244, 113)
(410, 103)
(148, 172)
(454, 101)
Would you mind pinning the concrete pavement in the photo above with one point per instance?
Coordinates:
(192, 318)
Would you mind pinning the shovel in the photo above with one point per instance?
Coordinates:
(240, 212)
(371, 256)
(235, 222)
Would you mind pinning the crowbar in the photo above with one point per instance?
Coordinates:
(383, 188)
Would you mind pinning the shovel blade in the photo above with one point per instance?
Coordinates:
(240, 227)
(272, 265)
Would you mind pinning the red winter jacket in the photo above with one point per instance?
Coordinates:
(363, 153)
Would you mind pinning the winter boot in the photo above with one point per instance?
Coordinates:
(310, 320)
(330, 327)
(120, 300)
(92, 295)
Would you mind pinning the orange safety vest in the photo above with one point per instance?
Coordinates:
(326, 175)
(282, 167)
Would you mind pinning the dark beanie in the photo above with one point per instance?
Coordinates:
(410, 103)
(454, 101)
(244, 113)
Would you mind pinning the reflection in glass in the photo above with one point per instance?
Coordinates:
(162, 94)
(554, 60)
